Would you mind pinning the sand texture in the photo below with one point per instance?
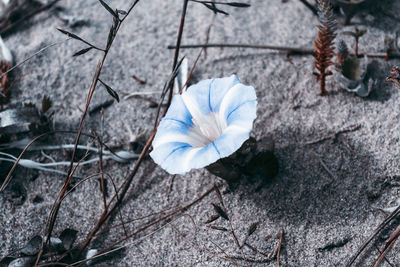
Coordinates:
(328, 194)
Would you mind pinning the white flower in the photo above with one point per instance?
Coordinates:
(208, 121)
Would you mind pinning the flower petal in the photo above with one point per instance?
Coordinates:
(210, 92)
(163, 152)
(243, 115)
(240, 123)
(231, 140)
(170, 130)
(220, 109)
(179, 158)
(218, 90)
(236, 96)
(204, 157)
(199, 94)
(178, 111)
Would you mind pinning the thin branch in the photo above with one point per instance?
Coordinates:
(288, 49)
(393, 215)
(350, 128)
(163, 218)
(278, 254)
(102, 183)
(380, 252)
(57, 204)
(32, 56)
(388, 246)
(177, 46)
(295, 50)
(225, 257)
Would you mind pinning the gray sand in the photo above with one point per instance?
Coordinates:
(314, 207)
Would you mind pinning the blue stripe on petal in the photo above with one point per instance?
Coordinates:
(199, 92)
(204, 157)
(174, 162)
(180, 146)
(178, 111)
(170, 126)
(243, 115)
(218, 90)
(161, 153)
(235, 97)
(231, 140)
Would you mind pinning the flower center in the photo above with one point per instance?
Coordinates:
(207, 131)
(207, 127)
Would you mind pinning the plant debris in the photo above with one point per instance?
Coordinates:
(220, 211)
(212, 218)
(395, 77)
(353, 77)
(333, 245)
(17, 123)
(33, 246)
(68, 237)
(324, 49)
(357, 34)
(254, 158)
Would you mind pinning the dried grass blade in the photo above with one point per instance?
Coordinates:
(108, 8)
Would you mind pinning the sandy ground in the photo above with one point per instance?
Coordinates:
(313, 206)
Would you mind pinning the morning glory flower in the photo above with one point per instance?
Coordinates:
(208, 121)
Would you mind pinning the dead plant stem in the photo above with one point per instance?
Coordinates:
(56, 206)
(288, 49)
(295, 50)
(178, 45)
(278, 254)
(392, 216)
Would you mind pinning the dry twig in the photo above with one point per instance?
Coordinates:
(278, 254)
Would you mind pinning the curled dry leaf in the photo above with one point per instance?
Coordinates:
(122, 12)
